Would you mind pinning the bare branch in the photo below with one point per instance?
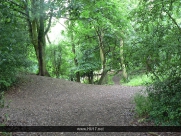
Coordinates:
(48, 39)
(62, 24)
(81, 18)
(49, 22)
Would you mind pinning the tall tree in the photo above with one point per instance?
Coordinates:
(125, 76)
(13, 47)
(73, 14)
(38, 16)
(97, 27)
(157, 42)
(155, 28)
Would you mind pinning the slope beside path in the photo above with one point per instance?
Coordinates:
(44, 101)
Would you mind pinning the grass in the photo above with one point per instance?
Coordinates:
(138, 80)
(143, 104)
(109, 79)
(2, 105)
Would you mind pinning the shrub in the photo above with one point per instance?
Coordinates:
(165, 97)
(1, 99)
(13, 47)
(143, 104)
(138, 80)
(162, 103)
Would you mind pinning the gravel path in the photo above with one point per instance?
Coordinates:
(55, 102)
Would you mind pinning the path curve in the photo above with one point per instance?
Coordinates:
(44, 101)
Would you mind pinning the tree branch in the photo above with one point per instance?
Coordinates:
(49, 22)
(15, 8)
(169, 15)
(174, 21)
(62, 25)
(19, 16)
(16, 4)
(21, 12)
(48, 39)
(50, 18)
(81, 18)
(28, 18)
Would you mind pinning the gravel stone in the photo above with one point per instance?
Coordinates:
(44, 101)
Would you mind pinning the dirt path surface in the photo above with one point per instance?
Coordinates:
(44, 101)
(116, 79)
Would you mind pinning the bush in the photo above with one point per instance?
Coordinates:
(58, 61)
(138, 80)
(54, 60)
(166, 103)
(1, 99)
(162, 103)
(13, 48)
(143, 104)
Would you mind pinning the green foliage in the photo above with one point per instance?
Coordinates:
(138, 80)
(95, 20)
(156, 48)
(59, 60)
(156, 38)
(2, 105)
(165, 97)
(87, 59)
(33, 62)
(54, 60)
(109, 79)
(6, 133)
(143, 105)
(2, 100)
(13, 48)
(162, 102)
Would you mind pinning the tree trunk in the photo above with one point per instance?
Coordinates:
(102, 56)
(104, 69)
(37, 34)
(103, 75)
(48, 39)
(75, 59)
(90, 77)
(34, 37)
(148, 66)
(77, 76)
(41, 43)
(41, 48)
(125, 76)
